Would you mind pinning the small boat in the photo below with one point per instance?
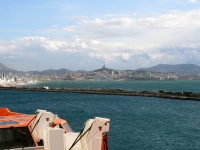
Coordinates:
(46, 131)
(45, 87)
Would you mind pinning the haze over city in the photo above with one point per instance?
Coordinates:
(39, 35)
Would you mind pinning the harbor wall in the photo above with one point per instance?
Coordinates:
(160, 94)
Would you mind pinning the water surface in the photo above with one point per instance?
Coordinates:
(137, 123)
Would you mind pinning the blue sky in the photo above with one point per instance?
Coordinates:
(54, 34)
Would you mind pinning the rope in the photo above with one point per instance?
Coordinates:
(93, 136)
(88, 139)
(77, 139)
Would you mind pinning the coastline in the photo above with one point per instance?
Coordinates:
(15, 84)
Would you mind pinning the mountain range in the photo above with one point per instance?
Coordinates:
(6, 70)
(180, 69)
(50, 72)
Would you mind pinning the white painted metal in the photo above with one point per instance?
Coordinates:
(94, 137)
(84, 140)
(70, 137)
(96, 143)
(53, 139)
(56, 139)
(43, 120)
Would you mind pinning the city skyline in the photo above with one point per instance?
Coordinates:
(83, 35)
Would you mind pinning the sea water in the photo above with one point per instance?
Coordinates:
(137, 123)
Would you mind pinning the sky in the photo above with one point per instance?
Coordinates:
(86, 34)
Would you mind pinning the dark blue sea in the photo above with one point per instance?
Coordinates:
(137, 123)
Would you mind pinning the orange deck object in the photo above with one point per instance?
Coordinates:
(8, 119)
(7, 112)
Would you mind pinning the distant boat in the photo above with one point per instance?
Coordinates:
(46, 131)
(45, 87)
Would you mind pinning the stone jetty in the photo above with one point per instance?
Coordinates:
(159, 94)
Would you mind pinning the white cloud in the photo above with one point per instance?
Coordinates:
(176, 19)
(122, 43)
(192, 1)
(125, 56)
(69, 28)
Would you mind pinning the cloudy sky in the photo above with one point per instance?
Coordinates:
(86, 34)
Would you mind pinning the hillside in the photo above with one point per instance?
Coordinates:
(5, 70)
(105, 70)
(180, 68)
(50, 72)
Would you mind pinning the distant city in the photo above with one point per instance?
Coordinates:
(11, 77)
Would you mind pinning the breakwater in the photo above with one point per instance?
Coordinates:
(160, 94)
